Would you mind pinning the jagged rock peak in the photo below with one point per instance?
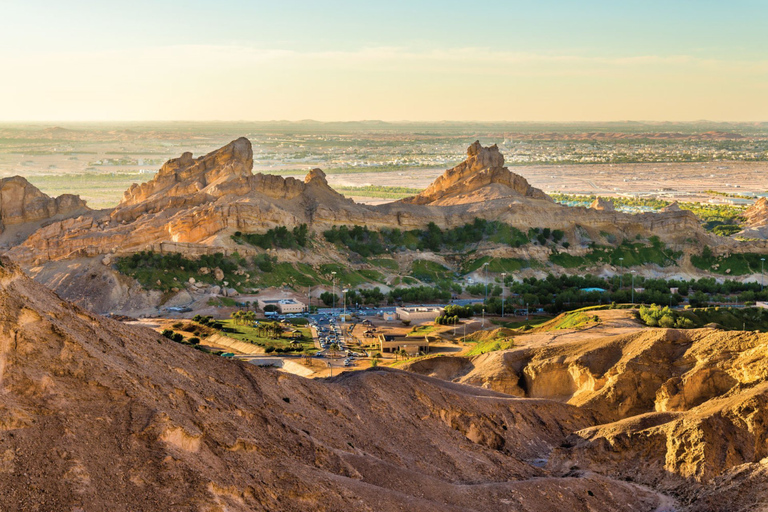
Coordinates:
(481, 158)
(21, 202)
(483, 167)
(603, 204)
(757, 214)
(186, 175)
(671, 207)
(316, 175)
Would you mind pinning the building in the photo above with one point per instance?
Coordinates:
(389, 343)
(419, 314)
(283, 305)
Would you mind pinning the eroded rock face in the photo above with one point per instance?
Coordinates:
(672, 207)
(484, 166)
(22, 202)
(603, 204)
(683, 411)
(193, 205)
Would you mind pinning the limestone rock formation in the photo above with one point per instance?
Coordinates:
(671, 207)
(99, 415)
(194, 205)
(21, 202)
(756, 220)
(483, 167)
(603, 204)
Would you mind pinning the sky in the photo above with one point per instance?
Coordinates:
(418, 60)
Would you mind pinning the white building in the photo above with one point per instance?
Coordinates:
(283, 305)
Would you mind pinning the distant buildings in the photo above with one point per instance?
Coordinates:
(419, 314)
(389, 343)
(283, 305)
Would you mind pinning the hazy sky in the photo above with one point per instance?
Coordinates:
(542, 60)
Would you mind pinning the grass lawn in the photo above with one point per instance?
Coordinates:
(250, 334)
(422, 330)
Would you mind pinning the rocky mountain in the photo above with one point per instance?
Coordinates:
(23, 203)
(482, 170)
(194, 206)
(99, 415)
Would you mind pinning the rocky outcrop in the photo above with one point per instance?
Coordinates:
(196, 204)
(186, 176)
(671, 207)
(483, 167)
(602, 204)
(21, 202)
(756, 220)
(86, 398)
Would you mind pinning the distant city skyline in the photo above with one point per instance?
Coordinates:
(548, 61)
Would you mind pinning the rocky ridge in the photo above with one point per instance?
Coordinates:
(194, 205)
(21, 202)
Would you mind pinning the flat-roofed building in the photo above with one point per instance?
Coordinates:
(389, 343)
(283, 305)
(419, 314)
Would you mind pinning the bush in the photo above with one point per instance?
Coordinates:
(269, 350)
(167, 333)
(194, 341)
(177, 337)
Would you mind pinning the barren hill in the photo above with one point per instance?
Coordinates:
(683, 411)
(97, 415)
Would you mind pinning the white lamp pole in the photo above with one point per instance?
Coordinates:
(333, 277)
(503, 276)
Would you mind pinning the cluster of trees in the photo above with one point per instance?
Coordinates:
(478, 290)
(279, 237)
(418, 294)
(207, 320)
(174, 261)
(372, 297)
(544, 235)
(367, 242)
(459, 311)
(265, 262)
(244, 317)
(447, 320)
(655, 316)
(179, 338)
(563, 293)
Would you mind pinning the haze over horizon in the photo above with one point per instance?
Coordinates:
(424, 61)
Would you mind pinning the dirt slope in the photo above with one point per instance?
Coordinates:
(685, 412)
(98, 415)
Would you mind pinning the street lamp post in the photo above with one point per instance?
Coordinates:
(762, 260)
(621, 275)
(633, 286)
(503, 276)
(344, 318)
(333, 278)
